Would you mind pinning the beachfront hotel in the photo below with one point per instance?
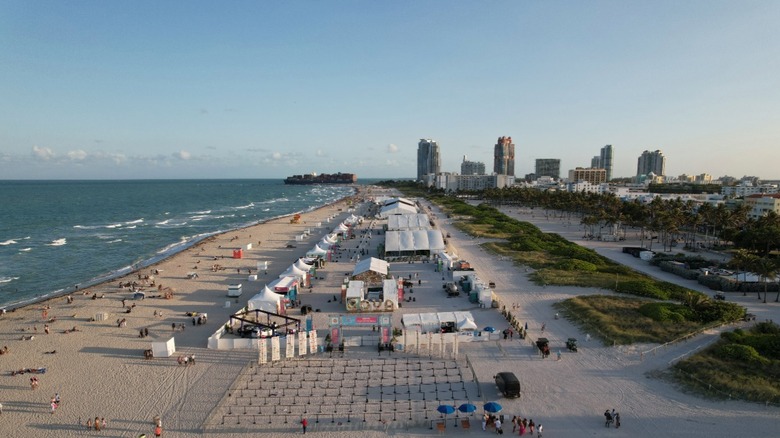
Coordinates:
(504, 157)
(428, 158)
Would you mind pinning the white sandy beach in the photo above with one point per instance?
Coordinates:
(100, 371)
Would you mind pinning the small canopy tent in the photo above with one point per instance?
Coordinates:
(266, 300)
(465, 321)
(302, 266)
(164, 348)
(316, 251)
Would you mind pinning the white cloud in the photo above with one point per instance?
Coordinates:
(77, 155)
(44, 154)
(392, 148)
(182, 155)
(276, 156)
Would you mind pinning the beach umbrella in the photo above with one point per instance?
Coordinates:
(492, 407)
(446, 409)
(467, 408)
(489, 329)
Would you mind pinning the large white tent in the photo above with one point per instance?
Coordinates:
(408, 222)
(416, 241)
(398, 208)
(267, 300)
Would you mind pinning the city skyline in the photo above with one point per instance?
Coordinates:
(103, 90)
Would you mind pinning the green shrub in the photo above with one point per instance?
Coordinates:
(743, 353)
(666, 312)
(643, 288)
(575, 265)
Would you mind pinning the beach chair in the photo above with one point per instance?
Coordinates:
(465, 423)
(441, 427)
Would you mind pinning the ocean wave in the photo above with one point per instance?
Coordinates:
(57, 242)
(113, 226)
(266, 209)
(274, 201)
(7, 279)
(244, 207)
(165, 222)
(169, 224)
(137, 221)
(114, 241)
(131, 227)
(25, 249)
(8, 242)
(200, 212)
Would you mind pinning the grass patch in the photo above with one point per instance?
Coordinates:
(743, 365)
(480, 230)
(624, 320)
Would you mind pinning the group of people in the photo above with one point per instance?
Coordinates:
(523, 425)
(519, 425)
(612, 417)
(186, 360)
(55, 402)
(99, 423)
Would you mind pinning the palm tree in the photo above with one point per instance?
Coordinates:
(767, 269)
(740, 261)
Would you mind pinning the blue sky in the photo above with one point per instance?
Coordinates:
(264, 89)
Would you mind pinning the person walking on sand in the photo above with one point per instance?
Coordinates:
(617, 420)
(531, 426)
(539, 431)
(158, 431)
(304, 423)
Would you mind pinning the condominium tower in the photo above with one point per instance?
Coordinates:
(504, 157)
(428, 158)
(471, 167)
(605, 160)
(651, 162)
(548, 167)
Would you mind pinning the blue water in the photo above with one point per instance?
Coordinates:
(57, 234)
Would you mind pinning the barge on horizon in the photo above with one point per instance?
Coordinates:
(323, 178)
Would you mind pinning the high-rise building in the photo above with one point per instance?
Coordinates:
(504, 157)
(651, 162)
(428, 158)
(595, 162)
(605, 160)
(471, 167)
(548, 167)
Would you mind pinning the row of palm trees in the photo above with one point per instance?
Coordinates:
(755, 242)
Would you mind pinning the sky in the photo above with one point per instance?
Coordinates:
(266, 89)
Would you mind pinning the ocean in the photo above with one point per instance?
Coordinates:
(58, 234)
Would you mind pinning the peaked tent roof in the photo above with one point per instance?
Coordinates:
(371, 264)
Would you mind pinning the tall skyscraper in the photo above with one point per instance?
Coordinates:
(595, 162)
(428, 158)
(654, 162)
(471, 167)
(548, 167)
(605, 160)
(504, 157)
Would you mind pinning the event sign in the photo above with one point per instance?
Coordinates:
(301, 343)
(313, 341)
(275, 353)
(262, 347)
(289, 349)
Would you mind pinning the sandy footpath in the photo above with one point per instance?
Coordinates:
(99, 370)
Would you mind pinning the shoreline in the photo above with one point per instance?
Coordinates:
(176, 249)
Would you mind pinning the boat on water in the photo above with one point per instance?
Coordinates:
(323, 178)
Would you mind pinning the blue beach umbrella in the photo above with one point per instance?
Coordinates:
(492, 407)
(489, 329)
(467, 408)
(446, 409)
